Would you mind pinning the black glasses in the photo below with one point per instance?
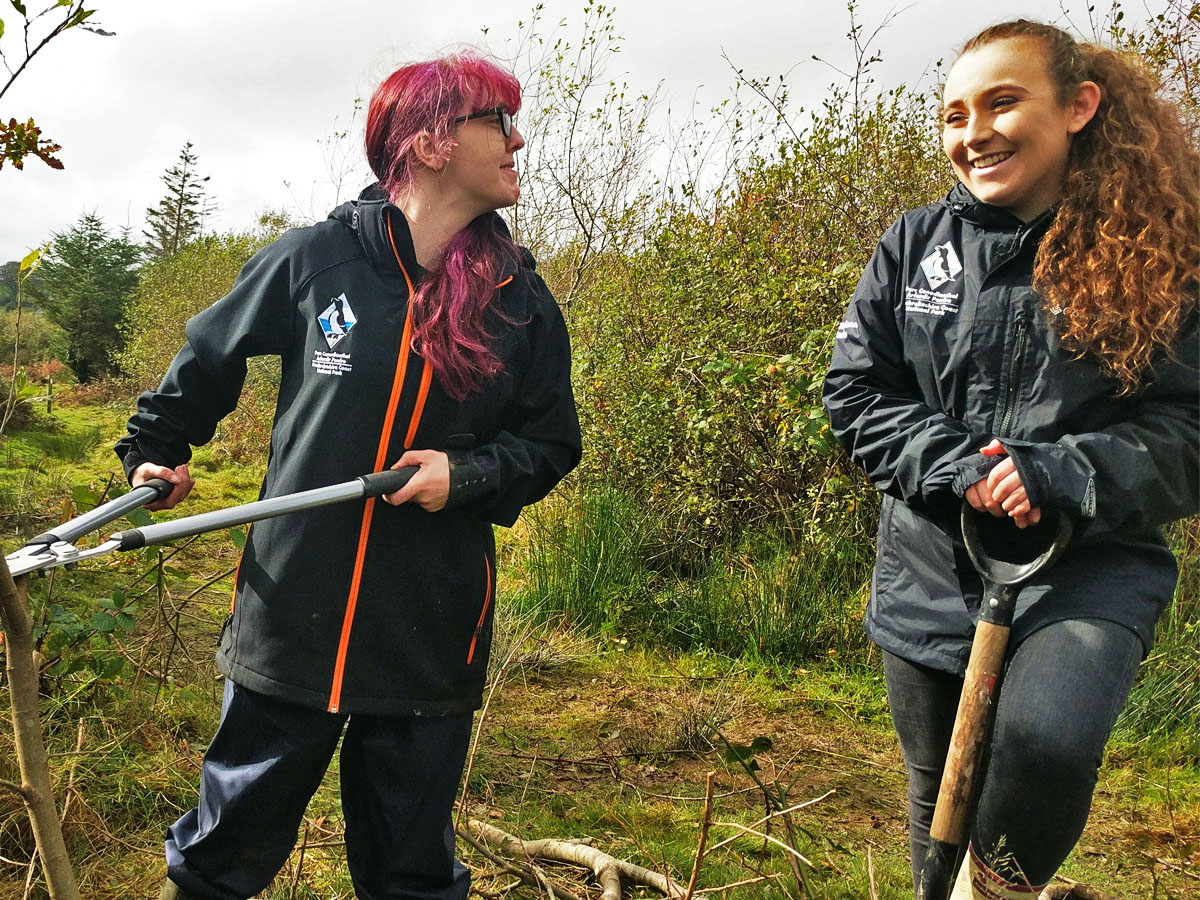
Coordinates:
(502, 116)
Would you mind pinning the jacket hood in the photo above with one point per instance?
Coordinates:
(369, 216)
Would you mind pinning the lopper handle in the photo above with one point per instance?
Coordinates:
(161, 487)
(147, 492)
(379, 483)
(363, 486)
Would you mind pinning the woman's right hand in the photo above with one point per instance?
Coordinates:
(178, 476)
(1002, 492)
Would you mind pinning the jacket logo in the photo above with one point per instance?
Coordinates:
(337, 320)
(941, 266)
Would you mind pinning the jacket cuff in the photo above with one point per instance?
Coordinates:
(131, 460)
(468, 481)
(972, 469)
(1053, 478)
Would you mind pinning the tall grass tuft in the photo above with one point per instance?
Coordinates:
(779, 596)
(779, 599)
(1166, 697)
(69, 445)
(585, 562)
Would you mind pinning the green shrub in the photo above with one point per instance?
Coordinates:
(173, 289)
(701, 355)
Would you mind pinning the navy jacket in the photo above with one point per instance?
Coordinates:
(945, 346)
(367, 607)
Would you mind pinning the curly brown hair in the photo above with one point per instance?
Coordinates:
(1119, 266)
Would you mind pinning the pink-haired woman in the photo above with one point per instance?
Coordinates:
(412, 332)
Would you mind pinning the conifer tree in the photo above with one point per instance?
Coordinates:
(179, 215)
(84, 286)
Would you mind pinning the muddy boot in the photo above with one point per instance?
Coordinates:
(977, 882)
(172, 891)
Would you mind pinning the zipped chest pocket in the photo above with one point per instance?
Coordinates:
(1012, 383)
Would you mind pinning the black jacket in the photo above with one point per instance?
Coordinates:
(945, 346)
(367, 607)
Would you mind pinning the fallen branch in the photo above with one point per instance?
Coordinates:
(758, 879)
(528, 875)
(1175, 867)
(768, 818)
(608, 869)
(743, 830)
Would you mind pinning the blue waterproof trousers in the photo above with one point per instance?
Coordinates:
(1062, 691)
(399, 778)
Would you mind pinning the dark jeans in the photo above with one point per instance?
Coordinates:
(399, 777)
(1063, 688)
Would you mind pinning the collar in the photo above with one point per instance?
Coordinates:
(383, 233)
(962, 203)
(392, 254)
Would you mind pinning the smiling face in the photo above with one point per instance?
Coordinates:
(482, 165)
(1004, 129)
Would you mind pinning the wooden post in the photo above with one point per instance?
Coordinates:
(49, 394)
(27, 731)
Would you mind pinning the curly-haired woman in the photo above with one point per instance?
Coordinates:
(1029, 343)
(412, 332)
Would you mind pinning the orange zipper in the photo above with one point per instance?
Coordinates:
(422, 393)
(335, 693)
(238, 570)
(487, 601)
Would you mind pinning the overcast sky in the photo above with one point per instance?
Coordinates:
(256, 84)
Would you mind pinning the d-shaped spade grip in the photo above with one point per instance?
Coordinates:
(364, 486)
(1016, 561)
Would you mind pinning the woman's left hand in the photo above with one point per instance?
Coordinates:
(1003, 486)
(430, 487)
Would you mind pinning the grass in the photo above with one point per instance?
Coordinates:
(594, 563)
(594, 741)
(613, 673)
(69, 445)
(586, 563)
(1164, 707)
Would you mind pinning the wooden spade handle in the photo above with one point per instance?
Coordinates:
(971, 724)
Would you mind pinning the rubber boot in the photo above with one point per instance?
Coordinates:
(977, 882)
(962, 884)
(172, 891)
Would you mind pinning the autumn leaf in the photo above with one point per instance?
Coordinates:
(21, 139)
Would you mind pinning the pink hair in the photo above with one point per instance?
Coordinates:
(450, 305)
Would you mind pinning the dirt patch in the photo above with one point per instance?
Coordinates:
(606, 730)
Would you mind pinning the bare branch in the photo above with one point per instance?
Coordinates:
(58, 29)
